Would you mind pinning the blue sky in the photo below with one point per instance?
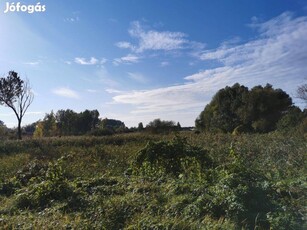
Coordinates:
(136, 60)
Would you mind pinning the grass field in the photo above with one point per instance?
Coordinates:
(143, 181)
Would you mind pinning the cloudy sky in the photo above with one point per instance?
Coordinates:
(136, 60)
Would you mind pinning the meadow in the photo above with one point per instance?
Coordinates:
(182, 180)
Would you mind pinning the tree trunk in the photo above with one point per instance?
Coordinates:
(19, 129)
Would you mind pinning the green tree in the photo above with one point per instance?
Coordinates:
(140, 126)
(224, 111)
(39, 132)
(87, 121)
(258, 109)
(66, 121)
(291, 119)
(17, 95)
(160, 126)
(265, 107)
(49, 125)
(72, 123)
(112, 125)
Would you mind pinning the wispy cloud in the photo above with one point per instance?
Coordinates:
(34, 63)
(66, 92)
(72, 19)
(277, 56)
(125, 45)
(83, 61)
(153, 40)
(279, 39)
(114, 91)
(129, 59)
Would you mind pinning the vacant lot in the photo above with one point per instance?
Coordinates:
(143, 181)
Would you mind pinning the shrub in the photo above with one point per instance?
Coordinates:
(171, 157)
(53, 186)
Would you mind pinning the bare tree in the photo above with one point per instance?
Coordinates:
(17, 95)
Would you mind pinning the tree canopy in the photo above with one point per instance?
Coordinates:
(257, 110)
(160, 126)
(112, 125)
(67, 122)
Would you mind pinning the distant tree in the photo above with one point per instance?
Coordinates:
(87, 121)
(112, 125)
(49, 125)
(178, 126)
(291, 119)
(39, 130)
(302, 92)
(140, 126)
(160, 126)
(16, 94)
(72, 123)
(3, 129)
(258, 109)
(66, 122)
(30, 128)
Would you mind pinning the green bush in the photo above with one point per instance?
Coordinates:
(173, 157)
(53, 186)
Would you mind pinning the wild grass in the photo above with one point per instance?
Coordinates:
(253, 181)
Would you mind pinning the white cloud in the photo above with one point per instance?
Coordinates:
(113, 91)
(280, 38)
(129, 59)
(277, 56)
(153, 40)
(125, 45)
(66, 92)
(83, 61)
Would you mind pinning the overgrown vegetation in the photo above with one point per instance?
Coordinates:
(144, 181)
(246, 170)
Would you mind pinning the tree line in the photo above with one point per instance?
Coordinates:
(235, 109)
(70, 123)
